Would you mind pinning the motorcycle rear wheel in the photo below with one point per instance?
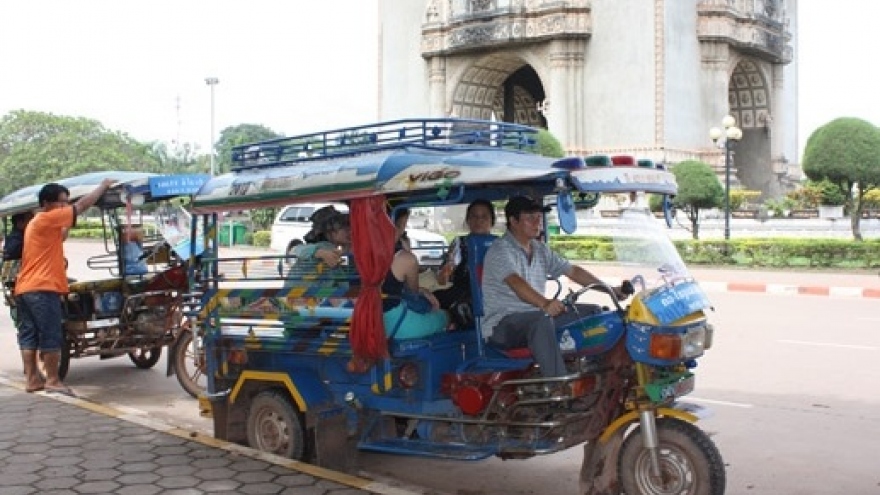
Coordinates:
(689, 462)
(145, 358)
(64, 360)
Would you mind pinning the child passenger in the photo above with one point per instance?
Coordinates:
(133, 251)
(329, 240)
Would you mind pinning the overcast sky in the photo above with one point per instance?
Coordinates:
(298, 66)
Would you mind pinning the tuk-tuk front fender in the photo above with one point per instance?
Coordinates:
(632, 416)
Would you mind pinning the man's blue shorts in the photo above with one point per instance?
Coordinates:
(40, 321)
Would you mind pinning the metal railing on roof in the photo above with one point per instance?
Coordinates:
(443, 133)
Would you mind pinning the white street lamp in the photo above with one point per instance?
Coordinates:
(211, 82)
(731, 134)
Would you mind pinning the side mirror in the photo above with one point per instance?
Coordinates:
(668, 210)
(566, 212)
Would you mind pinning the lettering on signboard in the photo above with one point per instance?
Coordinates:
(176, 185)
(434, 175)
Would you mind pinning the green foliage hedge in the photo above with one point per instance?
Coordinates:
(773, 253)
(86, 233)
(262, 238)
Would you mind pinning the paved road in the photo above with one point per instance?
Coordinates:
(790, 379)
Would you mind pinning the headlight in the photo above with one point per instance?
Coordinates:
(710, 336)
(694, 342)
(686, 345)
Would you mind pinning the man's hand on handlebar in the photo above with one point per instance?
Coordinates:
(553, 308)
(625, 290)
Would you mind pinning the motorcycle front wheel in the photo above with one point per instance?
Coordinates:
(189, 364)
(690, 463)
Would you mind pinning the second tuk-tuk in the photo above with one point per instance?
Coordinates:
(299, 363)
(136, 311)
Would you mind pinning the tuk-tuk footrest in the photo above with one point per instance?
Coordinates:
(427, 449)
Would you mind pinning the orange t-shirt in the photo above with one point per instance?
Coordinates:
(42, 262)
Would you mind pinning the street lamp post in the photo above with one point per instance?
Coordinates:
(211, 82)
(731, 134)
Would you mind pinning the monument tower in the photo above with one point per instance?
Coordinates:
(644, 77)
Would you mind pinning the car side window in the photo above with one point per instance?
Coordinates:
(305, 213)
(291, 215)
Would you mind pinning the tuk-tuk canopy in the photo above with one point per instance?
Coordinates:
(428, 159)
(136, 186)
(431, 161)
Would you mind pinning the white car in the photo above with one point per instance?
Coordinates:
(292, 224)
(427, 246)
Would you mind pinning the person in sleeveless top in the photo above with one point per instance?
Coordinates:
(408, 311)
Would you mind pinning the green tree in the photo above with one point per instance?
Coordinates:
(698, 189)
(40, 147)
(548, 145)
(846, 153)
(184, 159)
(262, 218)
(237, 135)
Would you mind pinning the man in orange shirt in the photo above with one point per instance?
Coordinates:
(42, 280)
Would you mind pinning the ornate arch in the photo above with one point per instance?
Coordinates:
(478, 92)
(749, 95)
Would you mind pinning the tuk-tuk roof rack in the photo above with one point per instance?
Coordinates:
(440, 133)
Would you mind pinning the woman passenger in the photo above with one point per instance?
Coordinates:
(480, 218)
(409, 311)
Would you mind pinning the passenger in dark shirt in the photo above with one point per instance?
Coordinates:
(14, 243)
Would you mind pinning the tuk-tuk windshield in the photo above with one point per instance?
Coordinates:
(173, 223)
(642, 246)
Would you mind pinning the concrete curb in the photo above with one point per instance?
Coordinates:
(791, 290)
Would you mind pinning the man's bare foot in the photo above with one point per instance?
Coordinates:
(35, 386)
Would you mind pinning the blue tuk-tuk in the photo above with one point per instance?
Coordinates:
(299, 364)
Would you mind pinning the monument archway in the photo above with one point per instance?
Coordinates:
(500, 87)
(749, 97)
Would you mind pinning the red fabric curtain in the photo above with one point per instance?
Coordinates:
(372, 235)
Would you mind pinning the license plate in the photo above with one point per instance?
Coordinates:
(683, 387)
(665, 390)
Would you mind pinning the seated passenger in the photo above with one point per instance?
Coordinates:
(480, 218)
(14, 243)
(133, 251)
(517, 314)
(328, 241)
(409, 312)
